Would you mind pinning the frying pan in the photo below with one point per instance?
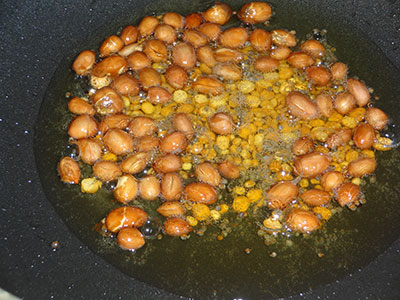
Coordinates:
(40, 39)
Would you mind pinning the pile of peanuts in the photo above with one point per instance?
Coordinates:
(212, 122)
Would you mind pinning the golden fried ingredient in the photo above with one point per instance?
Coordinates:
(281, 194)
(311, 164)
(200, 192)
(302, 220)
(69, 170)
(83, 126)
(176, 226)
(207, 173)
(106, 170)
(126, 189)
(149, 187)
(130, 238)
(361, 167)
(255, 12)
(125, 216)
(171, 209)
(314, 197)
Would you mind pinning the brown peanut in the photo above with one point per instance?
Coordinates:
(69, 170)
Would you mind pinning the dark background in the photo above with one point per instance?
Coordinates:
(34, 37)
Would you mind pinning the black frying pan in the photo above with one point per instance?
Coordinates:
(33, 270)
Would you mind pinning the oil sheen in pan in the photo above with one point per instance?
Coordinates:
(203, 267)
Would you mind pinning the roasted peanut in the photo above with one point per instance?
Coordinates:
(300, 60)
(311, 164)
(135, 163)
(79, 106)
(281, 194)
(283, 38)
(174, 142)
(208, 85)
(303, 145)
(260, 40)
(339, 138)
(339, 71)
(149, 187)
(155, 50)
(167, 163)
(126, 189)
(302, 220)
(280, 53)
(157, 94)
(149, 77)
(364, 136)
(318, 75)
(129, 34)
(165, 33)
(173, 19)
(221, 123)
(266, 64)
(83, 126)
(89, 150)
(228, 71)
(141, 126)
(111, 45)
(84, 62)
(147, 26)
(315, 197)
(228, 55)
(344, 103)
(126, 85)
(119, 121)
(201, 192)
(195, 38)
(171, 209)
(206, 56)
(359, 91)
(147, 143)
(126, 216)
(228, 170)
(138, 61)
(301, 106)
(175, 226)
(130, 238)
(181, 122)
(233, 37)
(118, 141)
(129, 49)
(255, 12)
(171, 186)
(314, 48)
(193, 21)
(361, 167)
(331, 180)
(106, 170)
(183, 55)
(376, 118)
(176, 77)
(347, 193)
(324, 103)
(110, 66)
(207, 173)
(211, 30)
(69, 170)
(220, 13)
(107, 101)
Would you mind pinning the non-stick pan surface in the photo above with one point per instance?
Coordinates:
(37, 38)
